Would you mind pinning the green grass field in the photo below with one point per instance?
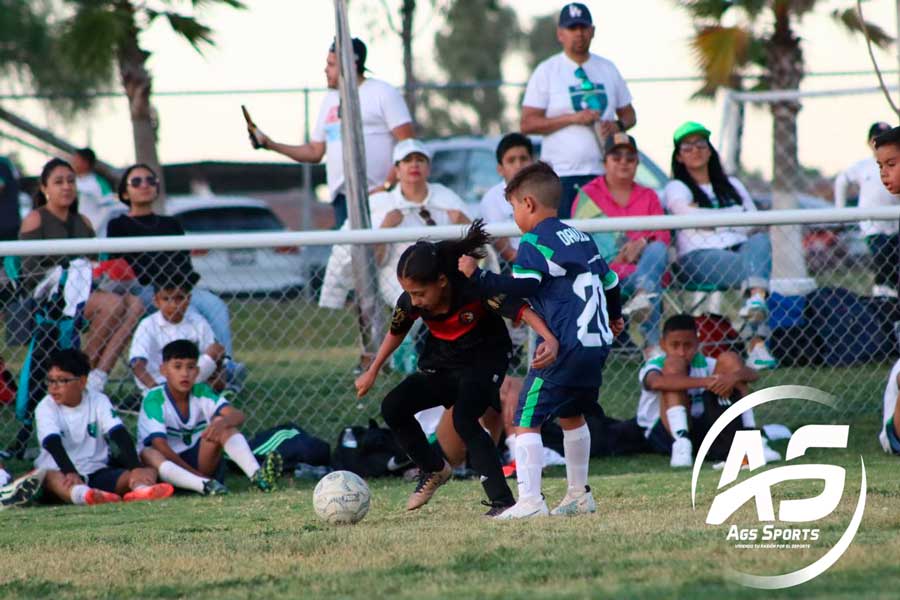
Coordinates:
(645, 542)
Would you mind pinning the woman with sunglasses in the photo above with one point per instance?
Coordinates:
(639, 258)
(725, 257)
(111, 318)
(414, 202)
(138, 189)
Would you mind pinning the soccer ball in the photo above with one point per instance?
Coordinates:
(341, 497)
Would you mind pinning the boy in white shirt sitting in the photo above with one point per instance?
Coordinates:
(72, 426)
(174, 321)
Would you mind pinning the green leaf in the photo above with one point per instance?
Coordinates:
(190, 29)
(849, 19)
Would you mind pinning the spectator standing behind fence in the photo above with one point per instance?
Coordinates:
(575, 99)
(881, 236)
(138, 190)
(9, 200)
(95, 195)
(385, 120)
(726, 257)
(639, 258)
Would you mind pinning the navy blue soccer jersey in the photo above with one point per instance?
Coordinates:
(570, 298)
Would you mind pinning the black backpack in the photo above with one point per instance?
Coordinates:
(369, 452)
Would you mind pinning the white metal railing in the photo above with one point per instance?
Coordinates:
(380, 236)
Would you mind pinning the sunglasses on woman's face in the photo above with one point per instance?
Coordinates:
(426, 216)
(620, 156)
(695, 145)
(137, 181)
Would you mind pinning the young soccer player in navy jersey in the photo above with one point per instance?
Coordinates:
(566, 281)
(467, 351)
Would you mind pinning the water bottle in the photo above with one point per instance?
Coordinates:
(348, 440)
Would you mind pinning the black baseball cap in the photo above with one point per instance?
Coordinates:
(575, 13)
(877, 129)
(359, 52)
(619, 140)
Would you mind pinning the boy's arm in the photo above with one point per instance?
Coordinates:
(231, 416)
(492, 283)
(139, 368)
(53, 444)
(657, 381)
(162, 446)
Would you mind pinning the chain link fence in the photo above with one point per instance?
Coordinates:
(282, 307)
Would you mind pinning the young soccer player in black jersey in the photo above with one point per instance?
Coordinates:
(467, 351)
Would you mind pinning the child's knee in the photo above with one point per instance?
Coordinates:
(728, 362)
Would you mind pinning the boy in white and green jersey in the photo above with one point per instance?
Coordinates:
(184, 427)
(673, 386)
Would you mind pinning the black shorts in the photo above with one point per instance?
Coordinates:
(105, 479)
(543, 400)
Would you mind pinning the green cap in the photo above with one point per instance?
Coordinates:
(690, 128)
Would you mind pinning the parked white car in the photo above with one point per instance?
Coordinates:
(248, 271)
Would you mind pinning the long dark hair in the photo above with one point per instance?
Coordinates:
(40, 198)
(425, 261)
(123, 181)
(722, 188)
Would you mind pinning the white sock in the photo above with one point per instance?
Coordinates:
(239, 451)
(180, 477)
(748, 419)
(529, 463)
(678, 424)
(78, 492)
(511, 444)
(5, 477)
(577, 447)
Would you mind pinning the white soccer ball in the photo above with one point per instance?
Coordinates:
(341, 497)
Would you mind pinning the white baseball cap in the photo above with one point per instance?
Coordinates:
(410, 146)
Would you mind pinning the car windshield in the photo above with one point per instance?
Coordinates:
(231, 218)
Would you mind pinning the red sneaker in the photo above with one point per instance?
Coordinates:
(95, 496)
(151, 492)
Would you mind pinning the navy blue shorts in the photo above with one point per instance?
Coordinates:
(891, 434)
(542, 400)
(105, 479)
(192, 457)
(661, 440)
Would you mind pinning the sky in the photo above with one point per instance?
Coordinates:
(277, 44)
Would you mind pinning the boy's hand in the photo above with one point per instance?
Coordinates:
(71, 479)
(215, 431)
(141, 476)
(722, 384)
(467, 265)
(617, 326)
(545, 354)
(365, 382)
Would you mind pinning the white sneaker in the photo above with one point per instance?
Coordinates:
(524, 509)
(755, 309)
(21, 491)
(638, 307)
(682, 453)
(575, 503)
(760, 358)
(884, 290)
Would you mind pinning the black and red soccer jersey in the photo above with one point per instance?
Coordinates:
(471, 334)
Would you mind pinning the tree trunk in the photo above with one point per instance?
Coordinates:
(407, 12)
(786, 70)
(138, 84)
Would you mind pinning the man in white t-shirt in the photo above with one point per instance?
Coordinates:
(881, 236)
(95, 195)
(575, 99)
(385, 118)
(514, 152)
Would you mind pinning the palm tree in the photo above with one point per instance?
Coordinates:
(100, 38)
(761, 38)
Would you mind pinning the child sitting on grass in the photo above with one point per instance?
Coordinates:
(184, 427)
(72, 426)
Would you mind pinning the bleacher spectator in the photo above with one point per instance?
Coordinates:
(95, 195)
(9, 200)
(514, 152)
